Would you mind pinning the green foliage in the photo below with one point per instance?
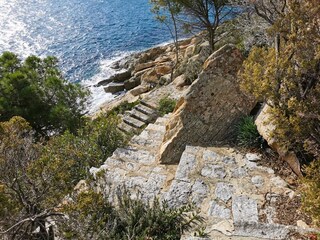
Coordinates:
(36, 90)
(89, 147)
(309, 189)
(36, 177)
(247, 133)
(93, 217)
(31, 185)
(289, 80)
(166, 105)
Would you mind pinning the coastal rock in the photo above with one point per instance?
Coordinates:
(189, 51)
(265, 129)
(151, 54)
(163, 69)
(150, 76)
(180, 81)
(139, 90)
(117, 78)
(143, 66)
(114, 88)
(132, 83)
(213, 105)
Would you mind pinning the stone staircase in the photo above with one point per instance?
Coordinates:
(135, 120)
(135, 165)
(237, 198)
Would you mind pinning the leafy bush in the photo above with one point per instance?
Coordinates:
(93, 217)
(247, 133)
(35, 177)
(166, 105)
(35, 90)
(288, 81)
(89, 147)
(309, 189)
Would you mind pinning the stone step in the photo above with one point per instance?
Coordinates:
(127, 129)
(156, 127)
(149, 104)
(140, 116)
(134, 155)
(145, 143)
(152, 134)
(133, 122)
(146, 110)
(161, 121)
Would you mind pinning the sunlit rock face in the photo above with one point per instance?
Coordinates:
(210, 110)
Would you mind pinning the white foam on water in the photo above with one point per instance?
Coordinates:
(98, 95)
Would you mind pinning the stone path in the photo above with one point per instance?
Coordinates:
(135, 120)
(146, 112)
(135, 166)
(229, 188)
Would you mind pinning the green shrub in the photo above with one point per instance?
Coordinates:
(166, 105)
(36, 90)
(89, 147)
(247, 133)
(93, 217)
(309, 189)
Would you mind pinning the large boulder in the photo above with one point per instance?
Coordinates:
(117, 78)
(139, 90)
(132, 83)
(266, 129)
(163, 69)
(150, 76)
(114, 88)
(211, 109)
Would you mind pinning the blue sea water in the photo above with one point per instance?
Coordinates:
(86, 35)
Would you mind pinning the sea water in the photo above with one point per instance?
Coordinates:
(87, 36)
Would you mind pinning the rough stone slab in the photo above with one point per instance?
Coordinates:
(228, 160)
(192, 149)
(178, 193)
(140, 116)
(145, 110)
(161, 121)
(213, 171)
(252, 157)
(244, 209)
(133, 122)
(278, 182)
(199, 192)
(219, 211)
(210, 156)
(224, 191)
(145, 142)
(149, 104)
(186, 165)
(239, 172)
(226, 227)
(151, 134)
(135, 155)
(262, 230)
(156, 127)
(258, 181)
(126, 128)
(112, 162)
